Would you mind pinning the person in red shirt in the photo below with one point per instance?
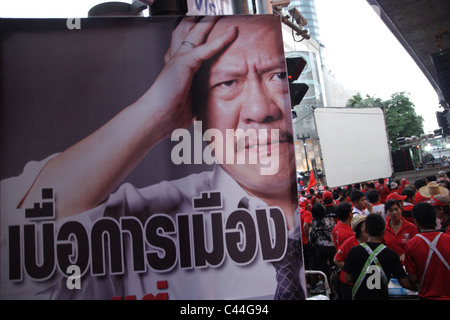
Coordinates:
(328, 201)
(373, 196)
(396, 196)
(383, 189)
(305, 220)
(442, 208)
(404, 184)
(359, 236)
(398, 230)
(343, 230)
(394, 187)
(418, 184)
(430, 272)
(408, 204)
(431, 189)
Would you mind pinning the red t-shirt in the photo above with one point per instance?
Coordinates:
(341, 232)
(420, 198)
(397, 242)
(384, 192)
(407, 213)
(437, 278)
(342, 253)
(305, 216)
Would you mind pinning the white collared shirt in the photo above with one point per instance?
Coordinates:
(227, 280)
(364, 212)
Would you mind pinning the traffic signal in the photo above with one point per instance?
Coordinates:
(297, 91)
(443, 120)
(295, 66)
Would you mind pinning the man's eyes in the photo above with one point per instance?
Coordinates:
(227, 84)
(280, 76)
(235, 82)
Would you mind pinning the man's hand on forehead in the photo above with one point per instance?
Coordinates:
(190, 34)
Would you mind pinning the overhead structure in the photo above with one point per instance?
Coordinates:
(423, 28)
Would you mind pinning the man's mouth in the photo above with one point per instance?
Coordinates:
(265, 140)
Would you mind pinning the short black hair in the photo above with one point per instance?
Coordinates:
(408, 192)
(390, 203)
(318, 211)
(356, 194)
(425, 215)
(375, 225)
(419, 183)
(372, 195)
(343, 210)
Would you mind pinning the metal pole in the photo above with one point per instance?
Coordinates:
(304, 138)
(306, 155)
(263, 7)
(239, 7)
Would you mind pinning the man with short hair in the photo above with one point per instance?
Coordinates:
(373, 196)
(408, 204)
(360, 236)
(342, 230)
(358, 198)
(419, 184)
(328, 201)
(383, 189)
(441, 204)
(427, 257)
(238, 89)
(370, 265)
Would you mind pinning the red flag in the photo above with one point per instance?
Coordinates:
(312, 181)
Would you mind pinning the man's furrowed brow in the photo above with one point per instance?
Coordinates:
(229, 70)
(271, 64)
(241, 69)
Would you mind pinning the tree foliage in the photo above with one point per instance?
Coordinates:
(401, 117)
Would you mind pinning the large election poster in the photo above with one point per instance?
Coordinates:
(147, 158)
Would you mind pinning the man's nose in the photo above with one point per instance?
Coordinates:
(258, 106)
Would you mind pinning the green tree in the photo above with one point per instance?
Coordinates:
(358, 102)
(401, 117)
(355, 102)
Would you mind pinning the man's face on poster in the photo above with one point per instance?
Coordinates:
(248, 89)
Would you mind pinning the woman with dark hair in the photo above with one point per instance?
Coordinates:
(398, 230)
(320, 236)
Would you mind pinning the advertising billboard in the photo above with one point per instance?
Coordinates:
(147, 158)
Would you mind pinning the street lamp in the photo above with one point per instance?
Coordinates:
(304, 138)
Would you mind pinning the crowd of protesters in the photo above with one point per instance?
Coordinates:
(388, 229)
